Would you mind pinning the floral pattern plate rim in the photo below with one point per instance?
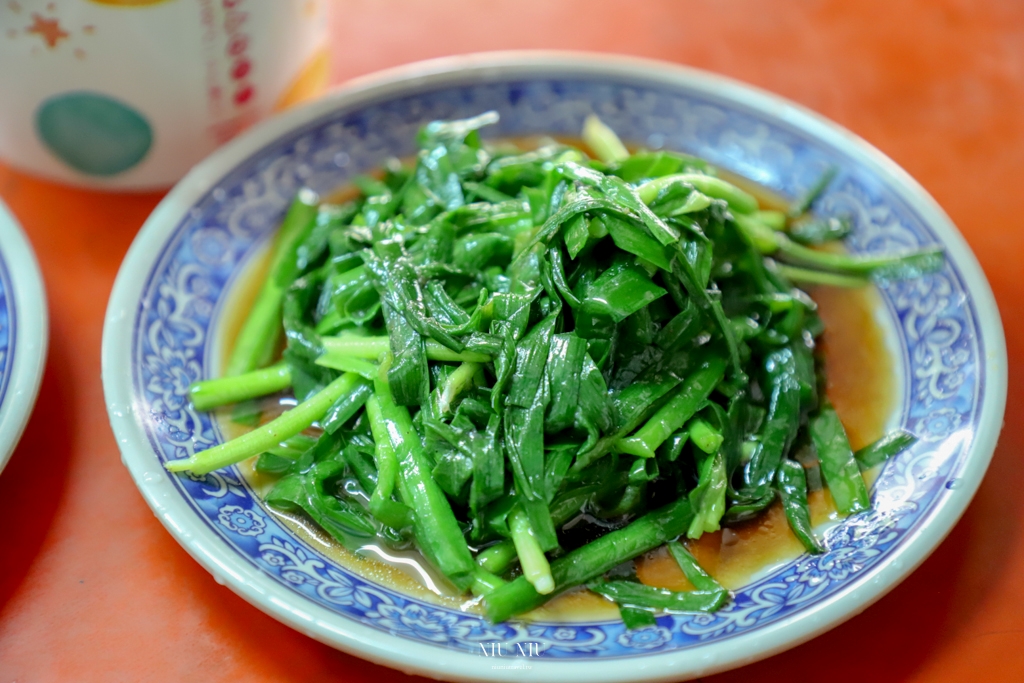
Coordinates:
(173, 285)
(23, 332)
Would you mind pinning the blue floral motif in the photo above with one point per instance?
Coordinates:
(215, 484)
(297, 577)
(422, 622)
(176, 329)
(939, 424)
(647, 638)
(301, 568)
(274, 558)
(835, 566)
(241, 521)
(339, 590)
(173, 371)
(8, 321)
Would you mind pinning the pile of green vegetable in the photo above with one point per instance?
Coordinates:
(534, 366)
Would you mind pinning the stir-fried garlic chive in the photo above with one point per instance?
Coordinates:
(594, 559)
(212, 393)
(258, 337)
(890, 445)
(265, 437)
(498, 346)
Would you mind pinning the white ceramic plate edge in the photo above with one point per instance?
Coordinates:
(31, 333)
(322, 624)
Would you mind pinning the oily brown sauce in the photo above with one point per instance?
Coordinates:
(861, 385)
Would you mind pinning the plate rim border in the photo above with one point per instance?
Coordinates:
(31, 333)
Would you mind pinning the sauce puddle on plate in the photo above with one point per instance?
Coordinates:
(861, 385)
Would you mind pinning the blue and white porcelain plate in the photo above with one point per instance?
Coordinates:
(165, 316)
(23, 332)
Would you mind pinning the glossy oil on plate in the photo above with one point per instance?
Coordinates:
(23, 332)
(166, 319)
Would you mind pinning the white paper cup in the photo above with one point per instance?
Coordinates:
(129, 94)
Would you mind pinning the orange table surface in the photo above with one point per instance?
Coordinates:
(92, 588)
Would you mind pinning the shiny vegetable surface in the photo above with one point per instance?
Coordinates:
(492, 348)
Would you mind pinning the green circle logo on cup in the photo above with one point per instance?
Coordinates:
(93, 133)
